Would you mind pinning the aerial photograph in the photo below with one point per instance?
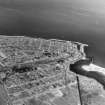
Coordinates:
(52, 52)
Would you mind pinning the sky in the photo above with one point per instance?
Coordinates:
(74, 20)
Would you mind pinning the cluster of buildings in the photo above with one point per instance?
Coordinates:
(35, 66)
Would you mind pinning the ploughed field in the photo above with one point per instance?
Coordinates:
(33, 67)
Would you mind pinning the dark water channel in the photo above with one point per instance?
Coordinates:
(77, 68)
